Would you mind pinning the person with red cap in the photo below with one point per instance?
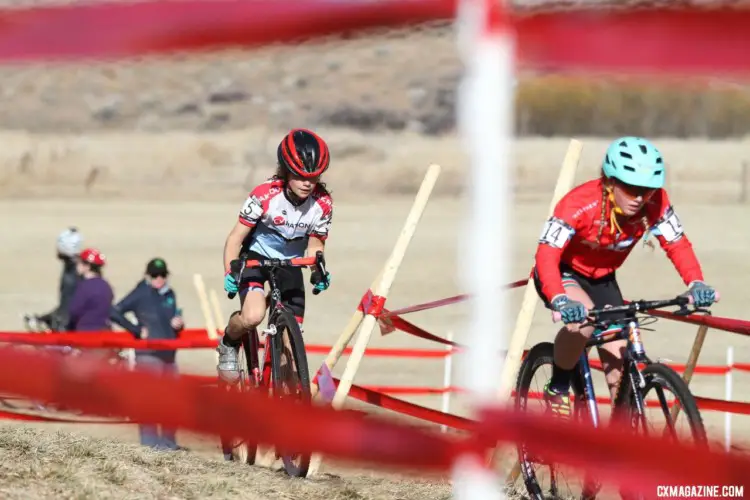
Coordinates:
(91, 305)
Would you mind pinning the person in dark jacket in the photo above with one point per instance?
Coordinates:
(154, 304)
(68, 247)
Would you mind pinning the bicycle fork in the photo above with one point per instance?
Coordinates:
(591, 485)
(588, 388)
(261, 355)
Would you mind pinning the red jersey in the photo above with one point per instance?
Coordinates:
(570, 237)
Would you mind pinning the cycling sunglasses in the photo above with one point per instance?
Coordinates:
(635, 191)
(158, 275)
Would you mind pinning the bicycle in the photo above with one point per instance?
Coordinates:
(639, 376)
(260, 359)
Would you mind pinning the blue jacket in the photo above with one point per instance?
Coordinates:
(154, 310)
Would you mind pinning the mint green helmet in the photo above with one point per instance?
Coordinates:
(634, 161)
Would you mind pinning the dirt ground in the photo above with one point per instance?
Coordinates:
(190, 235)
(38, 464)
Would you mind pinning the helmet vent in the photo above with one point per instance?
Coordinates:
(644, 150)
(626, 155)
(657, 172)
(659, 161)
(628, 168)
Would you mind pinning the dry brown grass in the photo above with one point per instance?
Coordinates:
(39, 464)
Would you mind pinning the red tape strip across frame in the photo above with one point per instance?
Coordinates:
(186, 403)
(690, 40)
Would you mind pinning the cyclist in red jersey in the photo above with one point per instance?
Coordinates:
(590, 234)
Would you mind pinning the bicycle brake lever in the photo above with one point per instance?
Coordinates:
(320, 265)
(683, 311)
(686, 311)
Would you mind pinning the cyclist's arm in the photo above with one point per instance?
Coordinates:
(249, 216)
(556, 234)
(672, 238)
(321, 227)
(315, 245)
(233, 244)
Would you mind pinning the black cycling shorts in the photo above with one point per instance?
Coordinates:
(602, 291)
(289, 280)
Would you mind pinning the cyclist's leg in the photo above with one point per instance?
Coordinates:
(251, 314)
(570, 342)
(608, 293)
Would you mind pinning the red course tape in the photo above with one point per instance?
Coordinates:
(187, 403)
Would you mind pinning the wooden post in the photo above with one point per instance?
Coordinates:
(381, 290)
(200, 288)
(346, 336)
(692, 361)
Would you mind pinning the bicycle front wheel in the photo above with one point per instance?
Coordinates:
(661, 379)
(542, 477)
(291, 379)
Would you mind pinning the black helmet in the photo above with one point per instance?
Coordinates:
(303, 153)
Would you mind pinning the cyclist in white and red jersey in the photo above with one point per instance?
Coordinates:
(286, 217)
(590, 234)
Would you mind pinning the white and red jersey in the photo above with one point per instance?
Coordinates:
(281, 229)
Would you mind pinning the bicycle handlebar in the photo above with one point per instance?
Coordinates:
(237, 266)
(637, 306)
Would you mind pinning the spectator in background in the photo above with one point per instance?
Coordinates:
(155, 307)
(91, 303)
(68, 246)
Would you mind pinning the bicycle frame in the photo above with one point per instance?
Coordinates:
(632, 357)
(259, 361)
(260, 356)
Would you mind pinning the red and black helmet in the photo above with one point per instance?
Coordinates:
(93, 256)
(303, 153)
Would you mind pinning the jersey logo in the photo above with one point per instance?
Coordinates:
(279, 220)
(588, 207)
(556, 233)
(669, 226)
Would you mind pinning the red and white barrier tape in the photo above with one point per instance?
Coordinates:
(687, 40)
(187, 403)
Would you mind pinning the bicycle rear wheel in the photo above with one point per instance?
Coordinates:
(534, 468)
(236, 449)
(291, 379)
